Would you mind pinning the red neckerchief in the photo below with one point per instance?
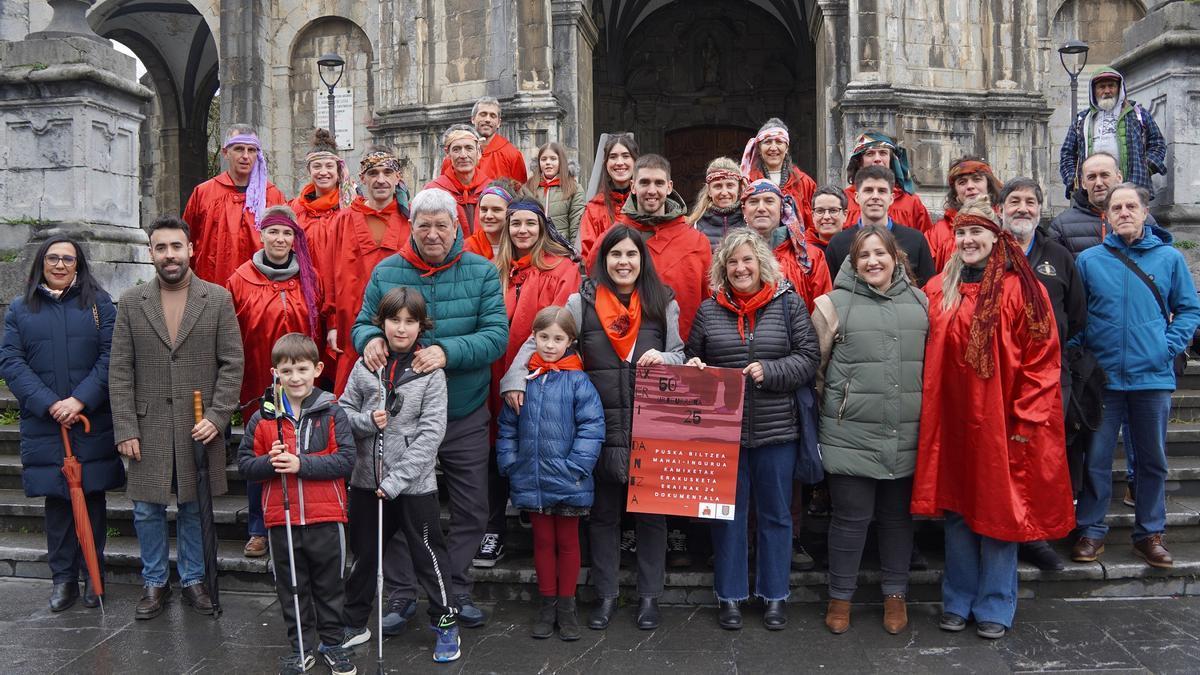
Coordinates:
(519, 272)
(318, 203)
(427, 270)
(745, 305)
(386, 213)
(539, 366)
(479, 243)
(621, 324)
(546, 185)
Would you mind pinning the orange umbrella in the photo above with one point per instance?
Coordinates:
(83, 525)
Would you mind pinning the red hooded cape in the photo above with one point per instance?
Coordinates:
(906, 209)
(597, 218)
(500, 159)
(348, 254)
(467, 196)
(312, 218)
(222, 230)
(812, 284)
(967, 461)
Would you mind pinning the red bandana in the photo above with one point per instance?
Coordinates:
(539, 366)
(745, 305)
(427, 270)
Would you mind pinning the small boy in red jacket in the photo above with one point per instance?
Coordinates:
(315, 457)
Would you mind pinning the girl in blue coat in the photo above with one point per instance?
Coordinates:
(547, 452)
(55, 360)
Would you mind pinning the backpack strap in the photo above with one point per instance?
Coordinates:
(1133, 267)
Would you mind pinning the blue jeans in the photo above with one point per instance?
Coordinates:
(255, 525)
(765, 474)
(150, 522)
(1146, 413)
(981, 574)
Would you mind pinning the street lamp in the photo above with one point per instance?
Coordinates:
(330, 67)
(1074, 48)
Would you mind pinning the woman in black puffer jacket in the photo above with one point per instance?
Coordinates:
(755, 322)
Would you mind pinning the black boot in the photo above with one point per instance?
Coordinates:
(602, 615)
(730, 615)
(568, 623)
(1040, 555)
(647, 615)
(90, 599)
(543, 624)
(63, 596)
(775, 614)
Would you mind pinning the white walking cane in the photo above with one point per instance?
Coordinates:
(287, 510)
(379, 517)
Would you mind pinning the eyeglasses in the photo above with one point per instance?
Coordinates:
(66, 260)
(826, 212)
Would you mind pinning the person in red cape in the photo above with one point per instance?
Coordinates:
(681, 253)
(620, 153)
(329, 188)
(829, 206)
(766, 156)
(773, 216)
(493, 217)
(463, 178)
(990, 454)
(373, 228)
(969, 176)
(879, 149)
(499, 158)
(223, 212)
(536, 270)
(276, 292)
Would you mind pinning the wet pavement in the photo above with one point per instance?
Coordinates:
(1159, 635)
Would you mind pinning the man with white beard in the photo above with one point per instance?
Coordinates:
(1020, 211)
(1115, 125)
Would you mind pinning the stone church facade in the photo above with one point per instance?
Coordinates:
(691, 78)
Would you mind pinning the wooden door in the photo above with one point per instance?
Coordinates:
(690, 150)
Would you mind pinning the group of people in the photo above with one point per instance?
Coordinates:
(490, 324)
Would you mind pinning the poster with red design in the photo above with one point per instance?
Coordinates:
(687, 426)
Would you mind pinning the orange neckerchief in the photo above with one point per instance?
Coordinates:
(539, 366)
(745, 305)
(621, 323)
(330, 201)
(520, 270)
(410, 254)
(386, 213)
(479, 243)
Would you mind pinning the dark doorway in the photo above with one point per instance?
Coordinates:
(690, 150)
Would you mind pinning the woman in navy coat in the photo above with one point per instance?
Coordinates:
(55, 361)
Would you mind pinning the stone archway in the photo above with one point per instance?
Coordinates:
(662, 67)
(174, 41)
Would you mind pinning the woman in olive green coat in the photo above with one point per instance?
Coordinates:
(871, 328)
(553, 186)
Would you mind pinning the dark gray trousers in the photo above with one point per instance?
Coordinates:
(605, 532)
(855, 501)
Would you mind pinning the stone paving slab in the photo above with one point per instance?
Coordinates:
(1160, 635)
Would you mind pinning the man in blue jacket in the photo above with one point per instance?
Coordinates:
(470, 331)
(1135, 331)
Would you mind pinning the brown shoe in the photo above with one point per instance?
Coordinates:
(837, 616)
(1152, 550)
(895, 614)
(256, 547)
(1087, 549)
(153, 602)
(197, 596)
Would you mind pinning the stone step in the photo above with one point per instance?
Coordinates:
(1117, 574)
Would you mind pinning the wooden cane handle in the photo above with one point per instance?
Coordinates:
(197, 406)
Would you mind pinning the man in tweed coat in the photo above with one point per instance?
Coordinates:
(173, 335)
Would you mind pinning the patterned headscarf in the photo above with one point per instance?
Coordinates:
(787, 218)
(386, 159)
(497, 191)
(1006, 253)
(308, 276)
(256, 189)
(346, 187)
(752, 145)
(725, 174)
(899, 157)
(552, 233)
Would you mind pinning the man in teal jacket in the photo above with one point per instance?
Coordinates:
(470, 331)
(1135, 333)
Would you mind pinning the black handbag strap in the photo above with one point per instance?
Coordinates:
(1133, 267)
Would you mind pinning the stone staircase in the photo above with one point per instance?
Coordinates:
(1117, 574)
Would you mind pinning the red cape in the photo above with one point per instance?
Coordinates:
(311, 220)
(500, 159)
(266, 311)
(467, 196)
(682, 257)
(966, 460)
(222, 230)
(597, 218)
(810, 285)
(349, 253)
(906, 209)
(941, 240)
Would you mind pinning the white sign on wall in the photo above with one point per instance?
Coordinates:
(343, 114)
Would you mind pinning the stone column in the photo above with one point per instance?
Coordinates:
(69, 120)
(574, 38)
(243, 65)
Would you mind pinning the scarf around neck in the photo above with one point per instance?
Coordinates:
(746, 305)
(410, 254)
(539, 366)
(621, 324)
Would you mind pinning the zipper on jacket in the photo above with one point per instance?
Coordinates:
(750, 387)
(845, 397)
(283, 300)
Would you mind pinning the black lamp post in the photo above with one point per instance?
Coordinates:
(1074, 48)
(330, 67)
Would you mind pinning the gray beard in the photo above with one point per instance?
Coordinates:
(1020, 230)
(1107, 104)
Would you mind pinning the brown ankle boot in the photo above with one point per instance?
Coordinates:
(895, 614)
(837, 616)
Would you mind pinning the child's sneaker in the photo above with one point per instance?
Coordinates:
(294, 665)
(352, 637)
(338, 659)
(446, 649)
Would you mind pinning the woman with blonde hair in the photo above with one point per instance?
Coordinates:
(719, 204)
(553, 186)
(755, 322)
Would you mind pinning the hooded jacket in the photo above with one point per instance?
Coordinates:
(1141, 148)
(872, 360)
(597, 218)
(715, 225)
(681, 254)
(549, 450)
(222, 231)
(469, 321)
(1126, 330)
(321, 437)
